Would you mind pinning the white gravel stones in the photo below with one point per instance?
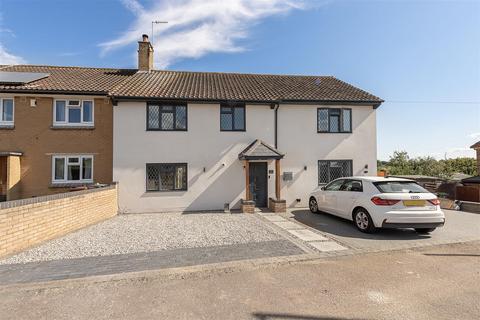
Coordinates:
(151, 232)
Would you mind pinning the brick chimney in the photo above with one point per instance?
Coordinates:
(145, 54)
(476, 147)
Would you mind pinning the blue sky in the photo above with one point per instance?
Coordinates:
(422, 57)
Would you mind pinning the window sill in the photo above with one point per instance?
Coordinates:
(170, 130)
(67, 127)
(163, 191)
(70, 184)
(5, 126)
(326, 132)
(233, 130)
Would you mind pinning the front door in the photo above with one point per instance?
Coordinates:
(258, 183)
(3, 178)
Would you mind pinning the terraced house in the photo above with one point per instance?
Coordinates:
(187, 141)
(56, 128)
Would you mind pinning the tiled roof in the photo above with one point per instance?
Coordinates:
(201, 86)
(260, 150)
(240, 87)
(476, 145)
(68, 79)
(475, 179)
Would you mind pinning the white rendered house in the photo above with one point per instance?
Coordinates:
(188, 141)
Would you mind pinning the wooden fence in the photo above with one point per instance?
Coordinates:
(467, 193)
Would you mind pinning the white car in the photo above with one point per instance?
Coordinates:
(376, 202)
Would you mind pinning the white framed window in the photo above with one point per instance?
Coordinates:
(6, 111)
(72, 169)
(73, 112)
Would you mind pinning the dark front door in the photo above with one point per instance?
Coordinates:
(258, 183)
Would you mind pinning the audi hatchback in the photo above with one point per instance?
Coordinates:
(376, 202)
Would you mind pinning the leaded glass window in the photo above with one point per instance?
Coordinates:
(329, 170)
(232, 117)
(166, 176)
(167, 117)
(334, 120)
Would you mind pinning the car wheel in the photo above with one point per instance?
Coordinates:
(313, 205)
(425, 230)
(363, 221)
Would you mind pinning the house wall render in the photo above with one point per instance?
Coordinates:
(215, 174)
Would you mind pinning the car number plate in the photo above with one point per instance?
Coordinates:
(414, 203)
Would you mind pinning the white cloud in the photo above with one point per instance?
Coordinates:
(475, 135)
(5, 56)
(8, 58)
(196, 27)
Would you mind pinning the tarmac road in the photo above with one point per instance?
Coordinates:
(441, 282)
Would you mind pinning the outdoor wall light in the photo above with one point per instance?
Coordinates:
(305, 168)
(204, 169)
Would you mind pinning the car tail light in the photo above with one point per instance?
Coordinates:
(384, 202)
(435, 202)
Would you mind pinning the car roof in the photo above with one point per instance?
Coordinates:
(376, 179)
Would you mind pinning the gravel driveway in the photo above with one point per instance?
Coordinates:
(134, 233)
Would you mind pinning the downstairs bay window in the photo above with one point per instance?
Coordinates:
(72, 169)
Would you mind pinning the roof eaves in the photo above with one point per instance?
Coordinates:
(50, 91)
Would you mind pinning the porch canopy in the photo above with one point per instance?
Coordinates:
(259, 150)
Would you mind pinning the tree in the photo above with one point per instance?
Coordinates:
(401, 164)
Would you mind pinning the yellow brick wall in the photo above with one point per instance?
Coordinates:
(27, 223)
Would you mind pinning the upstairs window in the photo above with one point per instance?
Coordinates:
(166, 176)
(73, 113)
(6, 111)
(232, 117)
(334, 120)
(167, 117)
(72, 169)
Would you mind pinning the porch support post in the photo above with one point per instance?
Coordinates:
(247, 180)
(277, 179)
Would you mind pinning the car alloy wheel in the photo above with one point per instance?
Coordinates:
(313, 205)
(361, 219)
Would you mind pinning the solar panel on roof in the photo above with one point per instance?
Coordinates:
(21, 77)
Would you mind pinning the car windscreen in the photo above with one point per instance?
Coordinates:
(399, 187)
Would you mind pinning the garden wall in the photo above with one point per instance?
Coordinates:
(29, 222)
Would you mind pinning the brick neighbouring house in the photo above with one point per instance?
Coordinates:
(47, 124)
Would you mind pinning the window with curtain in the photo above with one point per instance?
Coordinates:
(72, 168)
(6, 111)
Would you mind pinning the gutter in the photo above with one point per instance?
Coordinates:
(275, 107)
(374, 103)
(53, 92)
